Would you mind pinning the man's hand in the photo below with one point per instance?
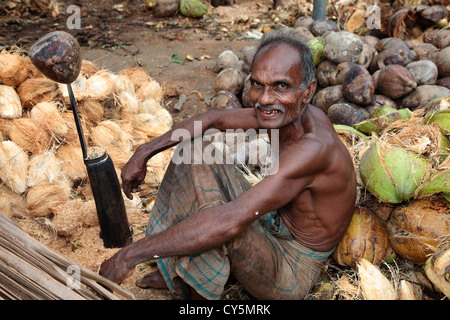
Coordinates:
(115, 268)
(133, 175)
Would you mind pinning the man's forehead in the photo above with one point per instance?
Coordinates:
(277, 58)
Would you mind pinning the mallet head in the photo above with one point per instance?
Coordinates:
(57, 56)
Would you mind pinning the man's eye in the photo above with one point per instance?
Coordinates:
(282, 85)
(256, 84)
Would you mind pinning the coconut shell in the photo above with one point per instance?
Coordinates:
(10, 105)
(367, 55)
(227, 59)
(35, 90)
(424, 94)
(338, 75)
(424, 71)
(418, 228)
(29, 135)
(342, 46)
(440, 38)
(442, 60)
(347, 114)
(422, 50)
(395, 81)
(366, 237)
(358, 86)
(13, 70)
(323, 73)
(224, 100)
(391, 173)
(13, 166)
(326, 97)
(229, 79)
(41, 197)
(47, 115)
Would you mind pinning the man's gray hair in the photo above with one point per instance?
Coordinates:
(289, 36)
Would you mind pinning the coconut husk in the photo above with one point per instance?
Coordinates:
(437, 270)
(92, 110)
(109, 134)
(71, 215)
(118, 156)
(147, 127)
(88, 68)
(72, 135)
(12, 204)
(13, 70)
(123, 84)
(406, 291)
(137, 76)
(29, 135)
(374, 284)
(35, 90)
(128, 102)
(100, 85)
(10, 105)
(41, 197)
(163, 116)
(149, 106)
(149, 90)
(13, 165)
(79, 87)
(48, 116)
(32, 71)
(44, 167)
(70, 158)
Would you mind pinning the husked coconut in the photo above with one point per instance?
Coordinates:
(44, 195)
(128, 102)
(108, 133)
(395, 81)
(424, 71)
(374, 284)
(227, 59)
(137, 76)
(88, 68)
(79, 87)
(13, 166)
(342, 46)
(72, 135)
(28, 134)
(35, 90)
(148, 106)
(147, 127)
(123, 84)
(10, 105)
(91, 110)
(70, 158)
(47, 115)
(69, 216)
(12, 203)
(13, 70)
(149, 90)
(100, 85)
(229, 79)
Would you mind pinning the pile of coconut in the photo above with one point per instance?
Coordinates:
(44, 185)
(388, 99)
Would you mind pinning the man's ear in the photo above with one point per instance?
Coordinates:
(309, 91)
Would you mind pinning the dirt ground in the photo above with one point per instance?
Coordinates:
(178, 52)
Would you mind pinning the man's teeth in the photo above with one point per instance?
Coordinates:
(269, 111)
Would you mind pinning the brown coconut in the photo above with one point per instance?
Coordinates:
(417, 229)
(324, 71)
(35, 90)
(395, 81)
(48, 116)
(136, 75)
(70, 158)
(29, 135)
(147, 127)
(13, 166)
(347, 113)
(72, 135)
(108, 133)
(224, 100)
(440, 38)
(358, 85)
(442, 60)
(444, 82)
(100, 85)
(424, 94)
(12, 204)
(424, 71)
(10, 105)
(13, 70)
(41, 197)
(229, 79)
(227, 59)
(326, 97)
(366, 237)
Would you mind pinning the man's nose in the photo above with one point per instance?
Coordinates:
(267, 96)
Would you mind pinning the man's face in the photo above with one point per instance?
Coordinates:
(275, 90)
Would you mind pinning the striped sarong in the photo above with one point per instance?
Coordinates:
(266, 260)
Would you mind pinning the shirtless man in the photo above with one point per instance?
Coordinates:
(312, 193)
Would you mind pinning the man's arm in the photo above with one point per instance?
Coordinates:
(133, 173)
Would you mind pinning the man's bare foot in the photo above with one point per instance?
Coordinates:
(152, 280)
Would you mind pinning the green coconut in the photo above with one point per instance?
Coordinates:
(347, 129)
(441, 118)
(382, 111)
(192, 8)
(316, 46)
(391, 173)
(383, 118)
(439, 182)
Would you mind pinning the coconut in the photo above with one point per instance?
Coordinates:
(227, 59)
(29, 135)
(437, 183)
(192, 8)
(88, 69)
(229, 79)
(108, 133)
(324, 71)
(100, 85)
(123, 84)
(163, 116)
(128, 102)
(32, 71)
(419, 228)
(149, 90)
(149, 106)
(41, 197)
(35, 90)
(70, 158)
(13, 166)
(424, 71)
(316, 46)
(78, 89)
(437, 270)
(91, 110)
(11, 203)
(424, 94)
(147, 127)
(44, 167)
(441, 118)
(225, 100)
(47, 115)
(69, 216)
(137, 76)
(13, 70)
(347, 113)
(374, 284)
(392, 173)
(342, 46)
(366, 237)
(10, 105)
(376, 124)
